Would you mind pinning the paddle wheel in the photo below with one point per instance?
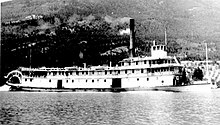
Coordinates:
(14, 77)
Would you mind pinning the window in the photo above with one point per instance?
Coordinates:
(152, 70)
(165, 61)
(157, 70)
(171, 68)
(142, 70)
(154, 48)
(132, 70)
(147, 79)
(169, 61)
(145, 62)
(105, 72)
(153, 62)
(104, 80)
(136, 63)
(25, 79)
(66, 81)
(158, 47)
(72, 81)
(50, 80)
(122, 64)
(67, 74)
(86, 80)
(31, 80)
(126, 71)
(93, 80)
(137, 79)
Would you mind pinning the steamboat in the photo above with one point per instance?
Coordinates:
(131, 74)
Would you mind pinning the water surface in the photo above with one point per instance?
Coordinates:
(110, 108)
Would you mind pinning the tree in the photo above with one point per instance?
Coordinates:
(197, 74)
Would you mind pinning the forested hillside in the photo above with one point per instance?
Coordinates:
(59, 33)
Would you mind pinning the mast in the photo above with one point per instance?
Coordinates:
(165, 36)
(132, 39)
(206, 55)
(30, 59)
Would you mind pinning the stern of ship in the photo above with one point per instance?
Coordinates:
(13, 79)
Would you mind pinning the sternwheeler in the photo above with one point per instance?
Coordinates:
(131, 74)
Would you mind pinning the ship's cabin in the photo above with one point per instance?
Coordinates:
(158, 56)
(158, 51)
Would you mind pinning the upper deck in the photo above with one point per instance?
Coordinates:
(157, 60)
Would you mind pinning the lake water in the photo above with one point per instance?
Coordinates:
(133, 108)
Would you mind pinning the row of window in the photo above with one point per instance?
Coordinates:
(85, 80)
(106, 72)
(150, 62)
(159, 48)
(68, 80)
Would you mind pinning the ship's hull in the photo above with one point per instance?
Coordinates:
(186, 88)
(97, 84)
(138, 86)
(44, 89)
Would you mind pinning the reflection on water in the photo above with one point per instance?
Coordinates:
(110, 108)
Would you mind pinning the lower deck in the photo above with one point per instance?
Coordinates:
(98, 82)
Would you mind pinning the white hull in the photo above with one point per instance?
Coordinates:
(101, 84)
(129, 83)
(188, 88)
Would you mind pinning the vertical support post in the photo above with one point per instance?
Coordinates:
(84, 65)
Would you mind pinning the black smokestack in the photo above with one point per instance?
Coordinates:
(132, 38)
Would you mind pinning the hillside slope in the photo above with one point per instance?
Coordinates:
(184, 18)
(91, 27)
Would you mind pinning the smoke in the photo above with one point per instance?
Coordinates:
(124, 32)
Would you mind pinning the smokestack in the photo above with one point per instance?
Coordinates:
(132, 38)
